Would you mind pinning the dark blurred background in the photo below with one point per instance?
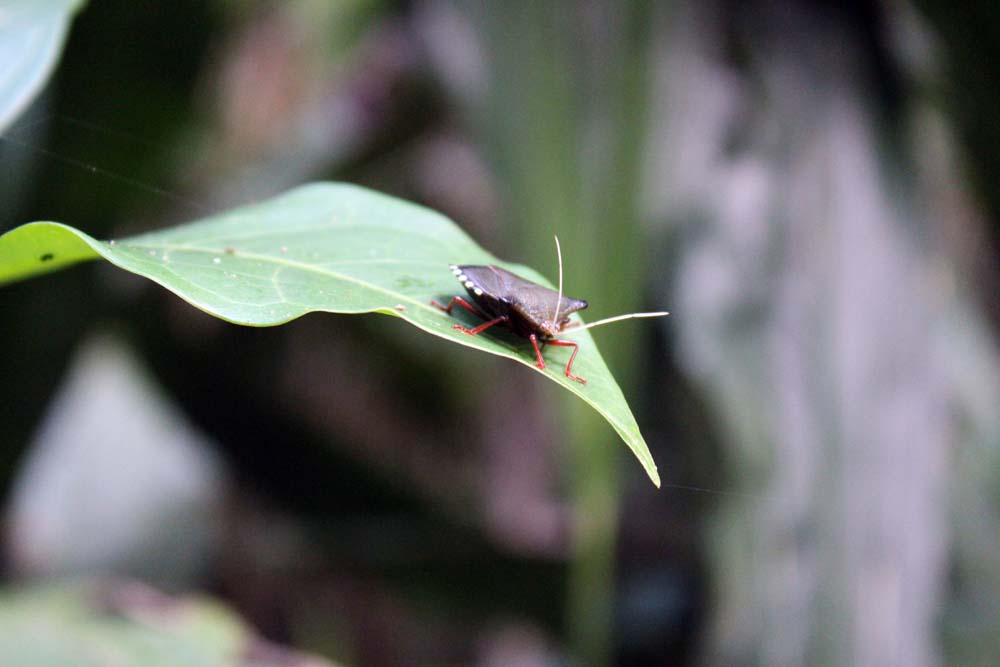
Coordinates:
(809, 187)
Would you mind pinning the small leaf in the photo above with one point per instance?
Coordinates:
(32, 33)
(324, 247)
(126, 624)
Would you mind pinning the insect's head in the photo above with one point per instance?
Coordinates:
(552, 328)
(549, 329)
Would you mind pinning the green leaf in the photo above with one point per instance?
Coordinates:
(124, 624)
(32, 33)
(324, 247)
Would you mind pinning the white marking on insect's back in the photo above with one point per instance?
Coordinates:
(469, 284)
(462, 277)
(478, 291)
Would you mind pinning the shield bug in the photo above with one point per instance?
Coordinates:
(526, 308)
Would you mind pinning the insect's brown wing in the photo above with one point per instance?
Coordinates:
(487, 285)
(489, 279)
(537, 303)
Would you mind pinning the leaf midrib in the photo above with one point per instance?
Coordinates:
(284, 262)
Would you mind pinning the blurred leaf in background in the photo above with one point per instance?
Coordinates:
(115, 479)
(32, 34)
(124, 623)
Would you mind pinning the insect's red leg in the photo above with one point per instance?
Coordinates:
(457, 300)
(569, 364)
(482, 327)
(538, 352)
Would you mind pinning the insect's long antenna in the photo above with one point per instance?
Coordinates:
(555, 315)
(578, 327)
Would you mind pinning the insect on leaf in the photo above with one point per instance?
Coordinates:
(327, 247)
